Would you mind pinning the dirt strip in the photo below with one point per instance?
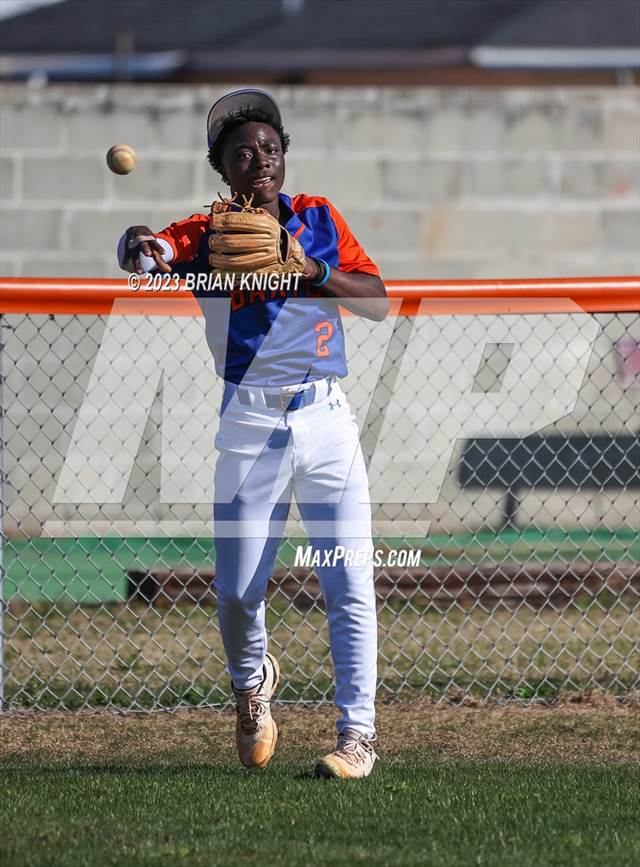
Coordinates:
(595, 728)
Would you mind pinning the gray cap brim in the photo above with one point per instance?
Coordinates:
(234, 101)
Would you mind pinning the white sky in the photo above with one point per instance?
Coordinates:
(10, 8)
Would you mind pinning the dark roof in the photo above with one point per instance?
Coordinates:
(93, 25)
(200, 25)
(570, 24)
(445, 30)
(357, 25)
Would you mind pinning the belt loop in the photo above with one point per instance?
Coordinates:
(245, 396)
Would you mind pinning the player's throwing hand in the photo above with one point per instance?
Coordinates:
(141, 240)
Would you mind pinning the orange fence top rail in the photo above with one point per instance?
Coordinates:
(431, 297)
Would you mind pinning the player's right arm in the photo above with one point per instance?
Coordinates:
(142, 250)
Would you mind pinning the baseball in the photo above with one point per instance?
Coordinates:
(121, 159)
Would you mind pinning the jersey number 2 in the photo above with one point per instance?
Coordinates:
(324, 333)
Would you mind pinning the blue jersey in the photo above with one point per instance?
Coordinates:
(283, 336)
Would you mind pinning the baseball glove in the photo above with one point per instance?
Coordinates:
(244, 238)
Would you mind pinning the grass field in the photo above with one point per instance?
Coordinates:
(493, 786)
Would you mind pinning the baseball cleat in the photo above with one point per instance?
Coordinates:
(353, 758)
(256, 731)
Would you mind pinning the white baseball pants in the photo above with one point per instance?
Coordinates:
(312, 453)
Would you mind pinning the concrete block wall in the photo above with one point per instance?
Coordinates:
(434, 182)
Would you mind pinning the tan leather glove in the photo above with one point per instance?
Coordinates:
(249, 239)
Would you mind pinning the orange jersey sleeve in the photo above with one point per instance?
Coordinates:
(352, 256)
(184, 236)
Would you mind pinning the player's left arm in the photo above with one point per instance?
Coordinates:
(356, 281)
(351, 286)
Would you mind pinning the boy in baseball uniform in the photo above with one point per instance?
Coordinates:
(286, 429)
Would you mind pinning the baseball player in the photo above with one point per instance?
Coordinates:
(285, 425)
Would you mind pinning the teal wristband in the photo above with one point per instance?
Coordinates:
(327, 273)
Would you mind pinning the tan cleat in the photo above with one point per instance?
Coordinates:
(354, 758)
(256, 732)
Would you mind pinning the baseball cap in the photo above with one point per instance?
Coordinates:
(234, 101)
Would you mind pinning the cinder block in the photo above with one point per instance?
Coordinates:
(532, 129)
(9, 266)
(7, 178)
(63, 179)
(31, 128)
(180, 130)
(320, 99)
(485, 178)
(601, 179)
(53, 266)
(486, 234)
(509, 178)
(375, 133)
(401, 134)
(101, 128)
(111, 269)
(529, 179)
(423, 180)
(582, 179)
(25, 229)
(393, 269)
(420, 268)
(208, 182)
(309, 132)
(345, 183)
(622, 231)
(622, 130)
(592, 264)
(358, 97)
(514, 265)
(621, 179)
(485, 131)
(98, 231)
(580, 126)
(157, 180)
(520, 265)
(459, 129)
(556, 232)
(448, 233)
(446, 130)
(380, 232)
(291, 182)
(409, 100)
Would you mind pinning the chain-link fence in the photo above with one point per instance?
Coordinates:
(502, 442)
